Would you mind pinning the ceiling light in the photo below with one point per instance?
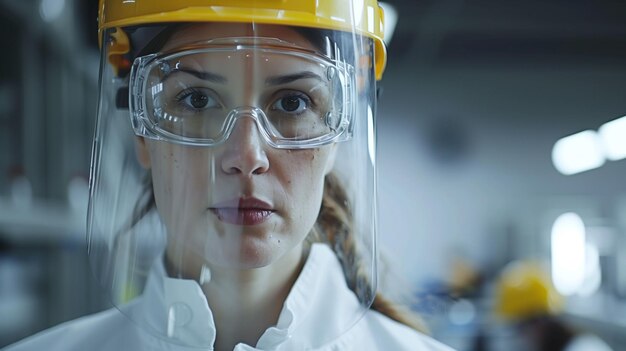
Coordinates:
(613, 137)
(578, 153)
(568, 253)
(50, 10)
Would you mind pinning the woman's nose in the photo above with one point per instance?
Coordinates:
(244, 150)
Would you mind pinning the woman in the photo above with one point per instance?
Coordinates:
(238, 212)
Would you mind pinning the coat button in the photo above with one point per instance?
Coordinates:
(178, 316)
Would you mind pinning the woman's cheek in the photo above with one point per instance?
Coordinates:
(307, 172)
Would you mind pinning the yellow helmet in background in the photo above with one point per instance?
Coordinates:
(524, 290)
(363, 16)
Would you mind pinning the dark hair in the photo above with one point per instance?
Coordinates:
(548, 332)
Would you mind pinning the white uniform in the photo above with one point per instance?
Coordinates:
(587, 342)
(317, 307)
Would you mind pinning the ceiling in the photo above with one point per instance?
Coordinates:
(459, 32)
(510, 32)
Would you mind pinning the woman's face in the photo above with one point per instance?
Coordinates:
(241, 204)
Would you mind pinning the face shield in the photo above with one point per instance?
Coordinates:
(224, 152)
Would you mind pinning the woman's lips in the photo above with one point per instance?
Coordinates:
(242, 216)
(248, 211)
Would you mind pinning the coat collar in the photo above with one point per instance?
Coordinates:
(319, 308)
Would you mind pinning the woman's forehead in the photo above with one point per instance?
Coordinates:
(208, 31)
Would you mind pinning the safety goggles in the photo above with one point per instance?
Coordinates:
(195, 95)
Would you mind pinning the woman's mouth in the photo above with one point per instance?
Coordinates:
(248, 211)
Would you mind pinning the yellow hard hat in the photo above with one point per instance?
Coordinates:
(364, 17)
(524, 290)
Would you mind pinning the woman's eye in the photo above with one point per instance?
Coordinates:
(291, 104)
(196, 99)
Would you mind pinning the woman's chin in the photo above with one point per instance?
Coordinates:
(248, 253)
(238, 248)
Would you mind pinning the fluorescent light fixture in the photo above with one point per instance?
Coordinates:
(613, 137)
(578, 153)
(568, 253)
(50, 10)
(391, 19)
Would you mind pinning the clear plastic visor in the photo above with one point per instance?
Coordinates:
(237, 186)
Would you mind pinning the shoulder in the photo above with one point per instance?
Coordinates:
(390, 332)
(87, 333)
(376, 331)
(586, 342)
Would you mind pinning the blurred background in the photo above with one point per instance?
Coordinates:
(500, 143)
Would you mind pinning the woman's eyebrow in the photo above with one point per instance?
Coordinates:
(278, 80)
(212, 77)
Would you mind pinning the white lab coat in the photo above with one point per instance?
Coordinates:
(587, 342)
(317, 308)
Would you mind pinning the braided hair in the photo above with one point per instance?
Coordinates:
(333, 227)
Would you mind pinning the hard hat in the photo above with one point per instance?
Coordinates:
(247, 140)
(524, 290)
(365, 17)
